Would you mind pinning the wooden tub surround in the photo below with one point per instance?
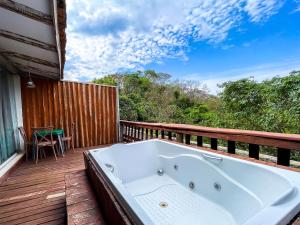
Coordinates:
(112, 210)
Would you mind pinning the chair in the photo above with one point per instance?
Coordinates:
(27, 143)
(69, 140)
(43, 137)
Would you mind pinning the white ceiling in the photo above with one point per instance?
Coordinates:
(23, 56)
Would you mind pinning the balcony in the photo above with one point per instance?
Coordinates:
(37, 194)
(61, 192)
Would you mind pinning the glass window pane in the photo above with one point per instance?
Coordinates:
(8, 119)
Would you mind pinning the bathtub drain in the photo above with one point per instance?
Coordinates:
(163, 204)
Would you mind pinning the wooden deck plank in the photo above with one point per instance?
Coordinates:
(23, 208)
(34, 215)
(35, 194)
(82, 206)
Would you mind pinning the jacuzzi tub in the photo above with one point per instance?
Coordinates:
(169, 184)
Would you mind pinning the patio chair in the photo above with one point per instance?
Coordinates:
(27, 143)
(69, 139)
(43, 139)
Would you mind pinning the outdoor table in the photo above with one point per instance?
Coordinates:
(56, 132)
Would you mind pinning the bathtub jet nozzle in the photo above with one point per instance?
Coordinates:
(160, 172)
(217, 186)
(191, 185)
(110, 167)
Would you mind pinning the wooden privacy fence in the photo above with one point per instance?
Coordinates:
(135, 131)
(93, 109)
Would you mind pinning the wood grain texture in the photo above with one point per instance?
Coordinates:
(60, 103)
(36, 194)
(82, 204)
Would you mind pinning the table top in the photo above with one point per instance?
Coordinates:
(54, 132)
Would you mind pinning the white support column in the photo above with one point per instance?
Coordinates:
(18, 102)
(119, 134)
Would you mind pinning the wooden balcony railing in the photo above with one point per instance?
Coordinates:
(136, 131)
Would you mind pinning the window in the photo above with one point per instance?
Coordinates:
(8, 116)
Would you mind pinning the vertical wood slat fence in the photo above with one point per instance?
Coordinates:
(136, 131)
(91, 107)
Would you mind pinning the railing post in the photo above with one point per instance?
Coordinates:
(122, 130)
(162, 134)
(283, 156)
(231, 147)
(138, 133)
(143, 133)
(126, 130)
(179, 138)
(170, 135)
(254, 151)
(135, 133)
(214, 143)
(156, 133)
(146, 133)
(127, 133)
(151, 133)
(188, 139)
(199, 141)
(131, 133)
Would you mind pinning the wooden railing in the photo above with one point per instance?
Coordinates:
(136, 131)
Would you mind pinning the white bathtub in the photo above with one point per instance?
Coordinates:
(169, 184)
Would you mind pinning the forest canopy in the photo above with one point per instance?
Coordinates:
(270, 105)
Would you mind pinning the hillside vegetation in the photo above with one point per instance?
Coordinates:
(271, 105)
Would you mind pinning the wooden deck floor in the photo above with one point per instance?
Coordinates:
(82, 204)
(35, 194)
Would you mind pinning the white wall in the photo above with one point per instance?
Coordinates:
(18, 102)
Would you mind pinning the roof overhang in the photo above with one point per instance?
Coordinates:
(32, 37)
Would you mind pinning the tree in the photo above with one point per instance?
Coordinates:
(151, 96)
(271, 105)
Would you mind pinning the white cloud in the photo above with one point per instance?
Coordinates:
(107, 36)
(259, 72)
(262, 9)
(298, 5)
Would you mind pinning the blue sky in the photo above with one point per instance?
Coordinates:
(208, 41)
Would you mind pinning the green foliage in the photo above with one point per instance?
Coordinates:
(271, 105)
(151, 96)
(109, 80)
(129, 110)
